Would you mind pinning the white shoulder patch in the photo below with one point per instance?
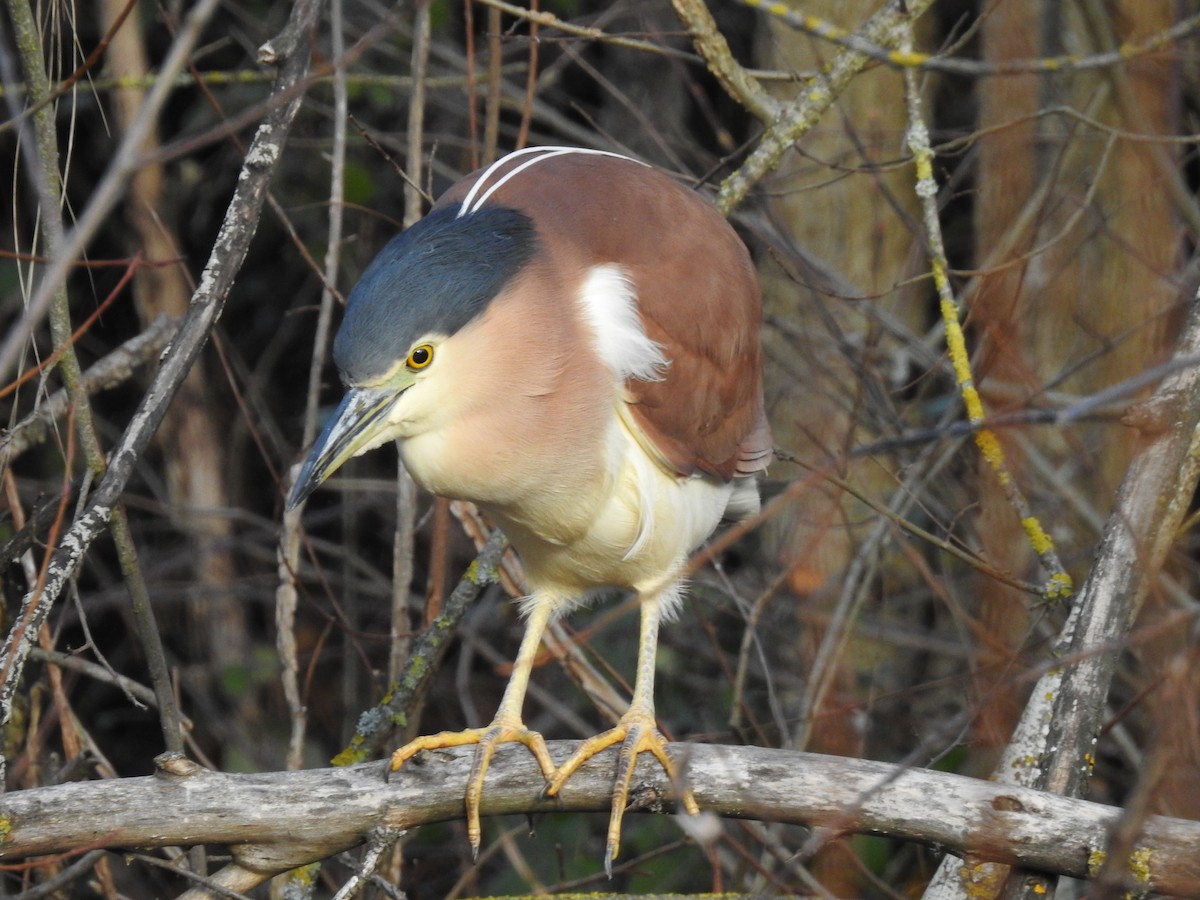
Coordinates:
(481, 190)
(609, 302)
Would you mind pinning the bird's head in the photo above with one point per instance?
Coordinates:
(396, 346)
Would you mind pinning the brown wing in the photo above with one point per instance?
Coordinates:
(698, 297)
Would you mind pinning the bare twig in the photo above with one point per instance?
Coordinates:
(1151, 503)
(1053, 746)
(50, 191)
(377, 724)
(714, 49)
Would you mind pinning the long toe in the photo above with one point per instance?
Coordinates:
(636, 733)
(486, 741)
(440, 741)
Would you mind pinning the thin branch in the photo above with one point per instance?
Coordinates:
(1151, 504)
(289, 542)
(49, 96)
(549, 20)
(50, 192)
(1058, 582)
(1053, 745)
(909, 59)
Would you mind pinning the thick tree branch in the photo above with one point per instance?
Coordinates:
(276, 821)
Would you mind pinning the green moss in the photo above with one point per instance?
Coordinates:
(355, 753)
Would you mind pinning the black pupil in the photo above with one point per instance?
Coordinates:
(420, 356)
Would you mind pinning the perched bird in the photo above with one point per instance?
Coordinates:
(571, 340)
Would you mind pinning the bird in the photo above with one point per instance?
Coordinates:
(571, 340)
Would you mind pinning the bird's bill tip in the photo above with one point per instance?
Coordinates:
(355, 427)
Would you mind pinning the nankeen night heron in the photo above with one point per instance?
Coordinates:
(571, 340)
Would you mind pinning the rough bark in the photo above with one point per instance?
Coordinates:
(276, 821)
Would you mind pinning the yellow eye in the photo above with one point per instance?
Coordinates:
(419, 357)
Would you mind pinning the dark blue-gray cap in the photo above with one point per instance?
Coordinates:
(432, 278)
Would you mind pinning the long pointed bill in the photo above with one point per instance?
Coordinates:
(353, 428)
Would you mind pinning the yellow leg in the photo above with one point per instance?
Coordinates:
(636, 732)
(506, 727)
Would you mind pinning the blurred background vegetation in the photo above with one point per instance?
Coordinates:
(1068, 203)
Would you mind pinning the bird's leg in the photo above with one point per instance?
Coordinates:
(506, 727)
(636, 731)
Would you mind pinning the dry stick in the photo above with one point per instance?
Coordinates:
(588, 33)
(136, 693)
(491, 111)
(531, 79)
(45, 365)
(415, 150)
(403, 547)
(1054, 741)
(287, 556)
(857, 584)
(714, 49)
(228, 253)
(380, 841)
(49, 189)
(404, 538)
(885, 28)
(288, 552)
(85, 67)
(399, 84)
(1170, 173)
(62, 883)
(472, 106)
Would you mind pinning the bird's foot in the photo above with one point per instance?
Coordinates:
(636, 732)
(485, 739)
